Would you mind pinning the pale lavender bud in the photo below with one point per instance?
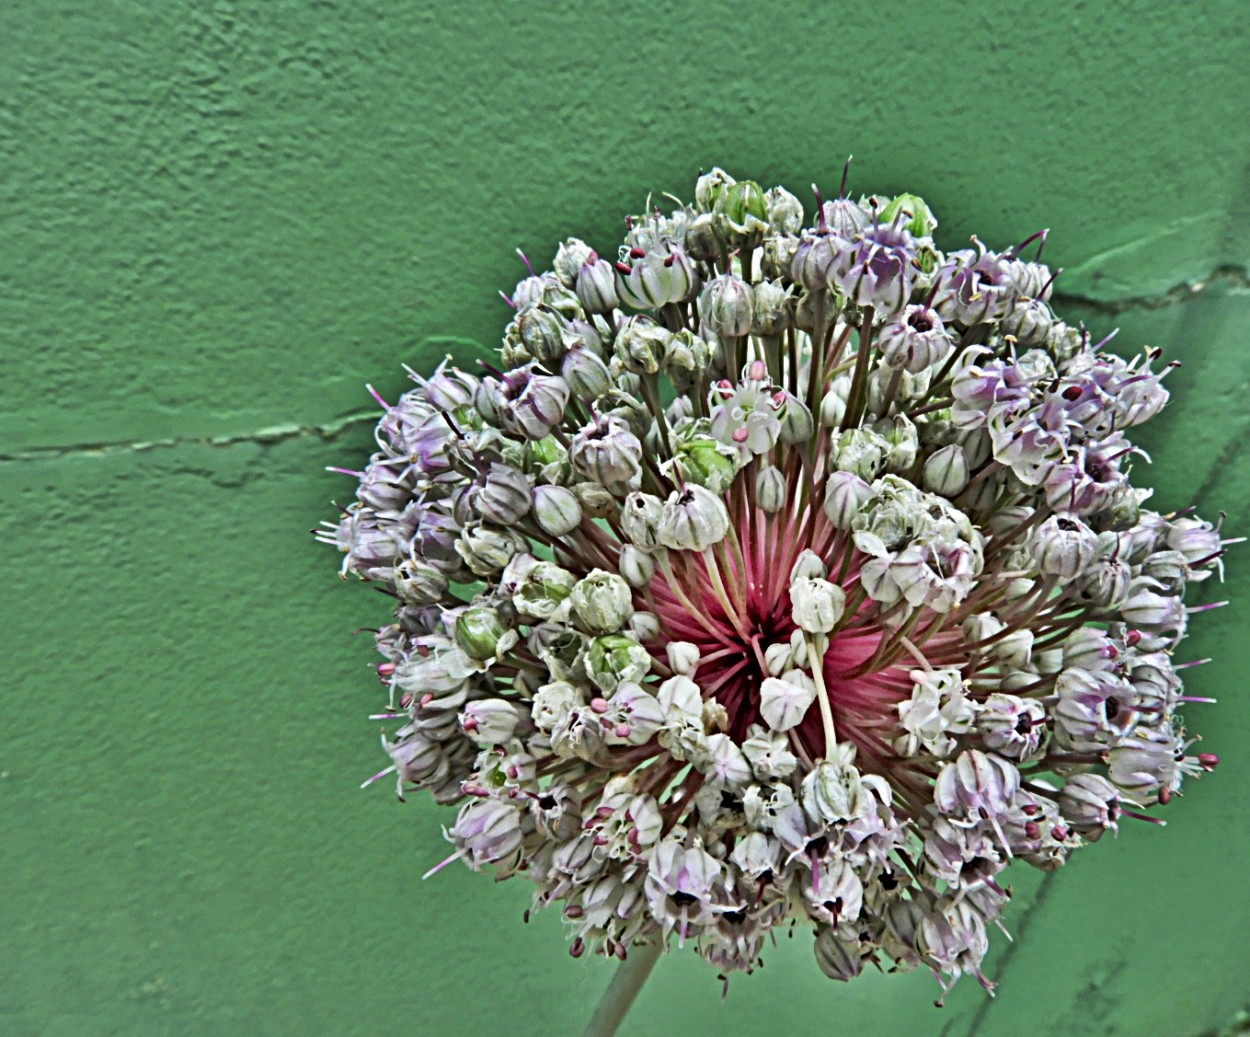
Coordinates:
(596, 285)
(1029, 323)
(976, 782)
(490, 721)
(723, 763)
(532, 404)
(726, 305)
(656, 279)
(835, 895)
(1011, 726)
(769, 753)
(631, 716)
(570, 255)
(608, 452)
(1090, 804)
(845, 496)
(813, 260)
(1063, 546)
(693, 519)
(450, 391)
(506, 496)
(487, 831)
(916, 341)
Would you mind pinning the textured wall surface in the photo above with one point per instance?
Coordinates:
(218, 220)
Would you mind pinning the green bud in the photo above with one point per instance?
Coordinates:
(542, 589)
(614, 658)
(557, 510)
(921, 222)
(708, 188)
(770, 490)
(479, 632)
(706, 462)
(741, 214)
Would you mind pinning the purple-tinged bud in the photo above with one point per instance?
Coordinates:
(813, 261)
(596, 285)
(1063, 546)
(532, 404)
(976, 782)
(1089, 648)
(488, 831)
(586, 374)
(608, 452)
(946, 471)
(770, 490)
(1010, 726)
(490, 721)
(693, 519)
(871, 275)
(1105, 583)
(556, 509)
(917, 340)
(1147, 610)
(419, 583)
(450, 391)
(1090, 804)
(846, 494)
(726, 306)
(506, 496)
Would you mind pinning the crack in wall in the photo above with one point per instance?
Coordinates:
(1225, 274)
(266, 436)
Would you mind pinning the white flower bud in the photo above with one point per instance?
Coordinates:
(636, 567)
(770, 490)
(645, 626)
(833, 791)
(809, 566)
(784, 702)
(570, 256)
(817, 604)
(596, 285)
(556, 510)
(553, 702)
(693, 519)
(641, 515)
(683, 657)
(845, 496)
(770, 308)
(490, 721)
(726, 305)
(586, 373)
(1063, 546)
(602, 601)
(946, 471)
(778, 658)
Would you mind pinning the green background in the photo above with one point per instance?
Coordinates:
(218, 220)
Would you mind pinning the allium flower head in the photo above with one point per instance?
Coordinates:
(780, 574)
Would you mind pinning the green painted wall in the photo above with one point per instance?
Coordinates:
(218, 220)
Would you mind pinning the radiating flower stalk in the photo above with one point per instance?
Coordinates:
(781, 575)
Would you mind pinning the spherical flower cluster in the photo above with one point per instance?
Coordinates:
(780, 574)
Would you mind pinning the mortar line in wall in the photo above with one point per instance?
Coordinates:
(1228, 273)
(272, 434)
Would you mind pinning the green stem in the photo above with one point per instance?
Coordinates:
(631, 974)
